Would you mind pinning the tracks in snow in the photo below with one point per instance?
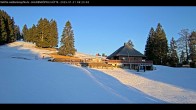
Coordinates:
(159, 90)
(113, 86)
(107, 88)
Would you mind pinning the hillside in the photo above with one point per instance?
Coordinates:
(26, 79)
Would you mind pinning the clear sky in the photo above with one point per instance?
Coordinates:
(103, 29)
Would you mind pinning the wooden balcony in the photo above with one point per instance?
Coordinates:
(125, 61)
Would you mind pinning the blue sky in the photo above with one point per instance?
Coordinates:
(103, 29)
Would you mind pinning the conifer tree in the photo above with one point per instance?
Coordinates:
(11, 37)
(161, 46)
(149, 48)
(53, 34)
(173, 57)
(43, 33)
(24, 32)
(17, 32)
(7, 24)
(29, 35)
(156, 48)
(3, 37)
(40, 33)
(34, 34)
(67, 41)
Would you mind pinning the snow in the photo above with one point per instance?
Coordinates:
(31, 50)
(27, 78)
(166, 83)
(181, 77)
(84, 56)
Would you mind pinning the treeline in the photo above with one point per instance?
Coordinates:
(180, 51)
(9, 32)
(44, 34)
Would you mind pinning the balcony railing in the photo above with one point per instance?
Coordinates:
(125, 61)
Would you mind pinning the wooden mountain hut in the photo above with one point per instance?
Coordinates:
(129, 58)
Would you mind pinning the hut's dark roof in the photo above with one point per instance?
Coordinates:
(126, 50)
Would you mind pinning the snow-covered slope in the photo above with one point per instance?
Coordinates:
(29, 47)
(27, 79)
(165, 83)
(180, 77)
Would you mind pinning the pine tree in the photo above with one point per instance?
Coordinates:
(17, 32)
(11, 37)
(53, 34)
(192, 46)
(67, 41)
(149, 48)
(43, 33)
(156, 48)
(160, 46)
(24, 32)
(7, 24)
(29, 35)
(34, 34)
(40, 33)
(173, 57)
(3, 25)
(3, 33)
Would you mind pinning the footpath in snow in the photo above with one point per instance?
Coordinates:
(163, 91)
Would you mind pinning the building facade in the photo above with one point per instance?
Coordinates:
(129, 58)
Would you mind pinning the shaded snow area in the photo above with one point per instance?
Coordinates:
(27, 79)
(172, 85)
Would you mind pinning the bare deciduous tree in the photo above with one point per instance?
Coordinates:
(183, 42)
